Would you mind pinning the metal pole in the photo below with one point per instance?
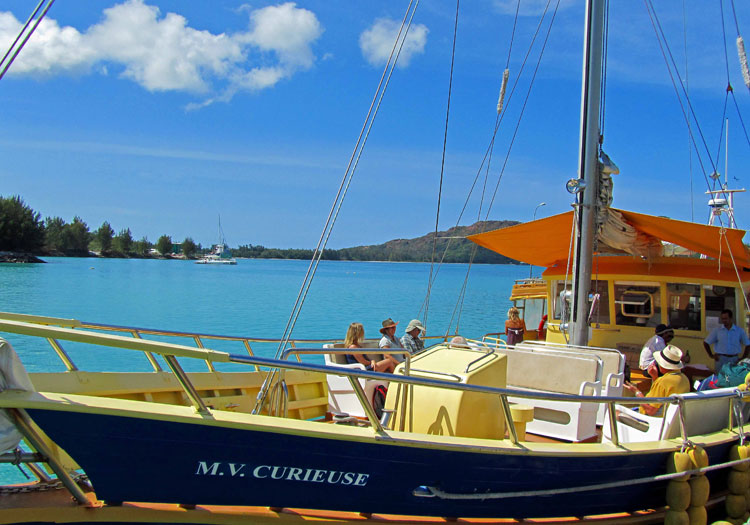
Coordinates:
(531, 266)
(20, 418)
(589, 169)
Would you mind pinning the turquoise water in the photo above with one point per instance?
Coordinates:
(253, 298)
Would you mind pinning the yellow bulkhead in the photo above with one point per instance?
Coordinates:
(441, 411)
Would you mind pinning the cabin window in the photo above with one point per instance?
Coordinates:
(558, 288)
(684, 302)
(600, 313)
(637, 304)
(532, 311)
(717, 299)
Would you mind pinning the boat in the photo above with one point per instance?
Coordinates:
(220, 252)
(477, 431)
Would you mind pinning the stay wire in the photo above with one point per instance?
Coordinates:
(346, 180)
(687, 89)
(26, 38)
(673, 71)
(338, 201)
(23, 30)
(724, 41)
(734, 14)
(442, 163)
(510, 147)
(486, 160)
(512, 34)
(523, 108)
(685, 114)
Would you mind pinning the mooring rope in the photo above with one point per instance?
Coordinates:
(582, 488)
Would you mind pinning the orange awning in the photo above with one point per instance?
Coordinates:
(547, 241)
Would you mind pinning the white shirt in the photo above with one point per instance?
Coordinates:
(655, 344)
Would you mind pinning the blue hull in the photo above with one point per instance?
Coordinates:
(133, 459)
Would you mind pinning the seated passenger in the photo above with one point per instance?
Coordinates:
(663, 335)
(515, 327)
(390, 341)
(355, 335)
(411, 340)
(669, 380)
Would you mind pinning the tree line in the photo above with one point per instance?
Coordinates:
(23, 230)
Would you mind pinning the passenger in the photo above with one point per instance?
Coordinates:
(730, 342)
(389, 340)
(514, 327)
(411, 340)
(460, 342)
(355, 336)
(669, 380)
(661, 338)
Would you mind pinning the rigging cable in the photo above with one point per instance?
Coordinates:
(26, 38)
(662, 44)
(341, 194)
(442, 164)
(687, 90)
(741, 49)
(490, 147)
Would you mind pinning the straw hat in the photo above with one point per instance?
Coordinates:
(669, 358)
(388, 323)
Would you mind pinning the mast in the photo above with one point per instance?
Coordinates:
(589, 168)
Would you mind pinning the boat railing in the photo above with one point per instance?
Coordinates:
(171, 351)
(139, 332)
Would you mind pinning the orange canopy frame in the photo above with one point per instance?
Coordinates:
(546, 242)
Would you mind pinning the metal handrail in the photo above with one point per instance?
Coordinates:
(168, 349)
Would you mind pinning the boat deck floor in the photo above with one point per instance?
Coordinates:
(58, 506)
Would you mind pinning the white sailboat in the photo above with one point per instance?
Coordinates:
(220, 253)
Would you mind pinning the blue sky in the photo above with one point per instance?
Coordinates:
(160, 115)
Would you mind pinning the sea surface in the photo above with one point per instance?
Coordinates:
(253, 298)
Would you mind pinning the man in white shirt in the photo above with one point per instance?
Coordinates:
(730, 342)
(664, 334)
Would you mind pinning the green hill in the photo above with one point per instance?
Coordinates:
(400, 250)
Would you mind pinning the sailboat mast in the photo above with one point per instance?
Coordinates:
(589, 169)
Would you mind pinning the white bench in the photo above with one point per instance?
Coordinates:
(540, 370)
(705, 413)
(341, 396)
(613, 368)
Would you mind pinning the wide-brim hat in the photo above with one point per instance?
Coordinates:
(388, 323)
(669, 358)
(415, 323)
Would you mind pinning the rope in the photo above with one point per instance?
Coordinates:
(687, 90)
(26, 38)
(341, 194)
(583, 488)
(661, 39)
(442, 164)
(490, 147)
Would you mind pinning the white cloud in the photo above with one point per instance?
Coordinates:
(163, 53)
(376, 42)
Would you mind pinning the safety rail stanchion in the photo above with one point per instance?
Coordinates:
(21, 419)
(615, 437)
(371, 416)
(150, 356)
(62, 354)
(190, 390)
(509, 419)
(249, 349)
(199, 344)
